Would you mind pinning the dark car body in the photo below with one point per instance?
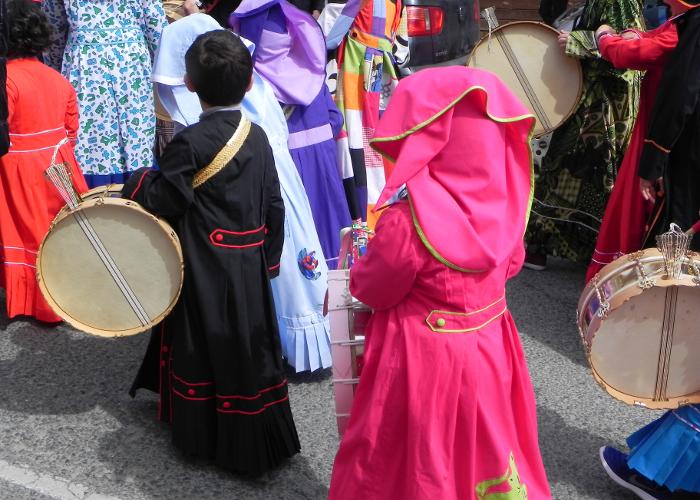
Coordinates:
(458, 34)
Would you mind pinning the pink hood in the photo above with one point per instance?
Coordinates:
(460, 141)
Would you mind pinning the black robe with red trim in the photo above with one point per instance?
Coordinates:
(672, 147)
(216, 360)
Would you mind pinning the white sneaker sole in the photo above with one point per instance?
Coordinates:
(637, 491)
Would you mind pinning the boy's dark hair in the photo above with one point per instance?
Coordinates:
(219, 67)
(29, 31)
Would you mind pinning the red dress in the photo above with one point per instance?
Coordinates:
(42, 111)
(623, 227)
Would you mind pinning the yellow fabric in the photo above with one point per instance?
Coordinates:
(174, 9)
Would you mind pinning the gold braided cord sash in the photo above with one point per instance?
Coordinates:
(224, 157)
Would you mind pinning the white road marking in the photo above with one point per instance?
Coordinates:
(53, 487)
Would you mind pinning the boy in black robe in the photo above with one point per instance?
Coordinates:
(216, 360)
(670, 159)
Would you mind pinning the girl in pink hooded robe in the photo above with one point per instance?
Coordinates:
(445, 408)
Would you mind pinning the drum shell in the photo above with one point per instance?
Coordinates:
(624, 347)
(147, 245)
(555, 78)
(108, 191)
(348, 321)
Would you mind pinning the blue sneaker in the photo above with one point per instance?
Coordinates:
(615, 464)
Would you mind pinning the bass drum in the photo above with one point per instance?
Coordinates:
(526, 55)
(640, 330)
(110, 268)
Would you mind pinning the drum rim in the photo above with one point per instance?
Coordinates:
(579, 68)
(669, 404)
(604, 275)
(588, 331)
(65, 212)
(96, 191)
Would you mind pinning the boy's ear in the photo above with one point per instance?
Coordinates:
(188, 83)
(250, 83)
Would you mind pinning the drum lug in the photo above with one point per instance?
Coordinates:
(643, 281)
(604, 305)
(694, 268)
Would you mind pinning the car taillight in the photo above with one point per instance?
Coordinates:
(423, 21)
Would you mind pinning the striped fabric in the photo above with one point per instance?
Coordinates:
(366, 80)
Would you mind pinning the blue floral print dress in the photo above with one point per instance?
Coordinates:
(105, 48)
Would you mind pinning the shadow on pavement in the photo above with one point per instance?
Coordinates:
(57, 371)
(565, 449)
(542, 301)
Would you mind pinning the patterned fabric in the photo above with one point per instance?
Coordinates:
(104, 49)
(578, 172)
(366, 79)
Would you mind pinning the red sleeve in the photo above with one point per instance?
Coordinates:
(385, 275)
(11, 89)
(642, 53)
(72, 115)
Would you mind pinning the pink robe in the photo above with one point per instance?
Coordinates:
(438, 414)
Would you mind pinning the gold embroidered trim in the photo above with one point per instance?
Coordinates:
(438, 328)
(224, 157)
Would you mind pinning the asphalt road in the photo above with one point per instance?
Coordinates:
(68, 429)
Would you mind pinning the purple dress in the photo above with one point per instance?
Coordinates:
(312, 130)
(290, 54)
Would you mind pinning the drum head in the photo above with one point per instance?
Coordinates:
(78, 285)
(627, 350)
(527, 57)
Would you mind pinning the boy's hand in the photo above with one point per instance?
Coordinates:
(651, 189)
(563, 39)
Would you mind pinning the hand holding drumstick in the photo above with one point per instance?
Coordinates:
(563, 39)
(651, 189)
